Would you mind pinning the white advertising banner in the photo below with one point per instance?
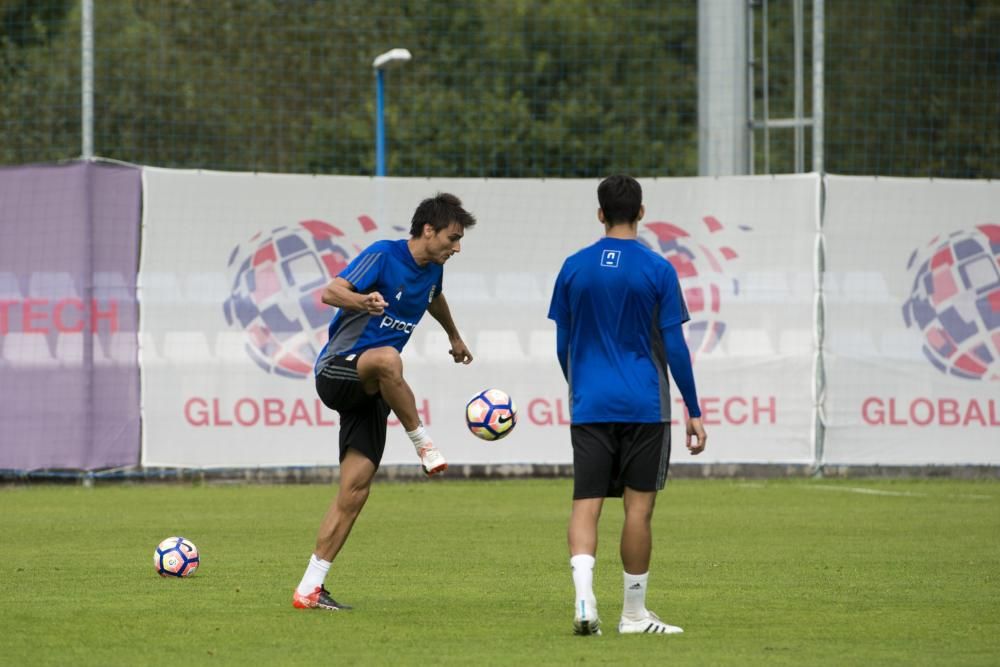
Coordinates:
(232, 264)
(912, 348)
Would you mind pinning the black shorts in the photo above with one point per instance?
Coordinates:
(607, 457)
(362, 416)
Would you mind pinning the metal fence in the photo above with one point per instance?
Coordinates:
(516, 88)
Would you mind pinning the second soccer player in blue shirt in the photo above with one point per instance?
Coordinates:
(618, 310)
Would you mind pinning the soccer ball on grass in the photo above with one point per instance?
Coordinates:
(176, 557)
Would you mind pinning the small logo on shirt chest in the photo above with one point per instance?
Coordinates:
(610, 258)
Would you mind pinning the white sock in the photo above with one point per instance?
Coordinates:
(583, 576)
(634, 607)
(419, 437)
(315, 575)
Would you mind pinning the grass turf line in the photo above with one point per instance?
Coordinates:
(788, 572)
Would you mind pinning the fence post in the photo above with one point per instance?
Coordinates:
(819, 25)
(87, 80)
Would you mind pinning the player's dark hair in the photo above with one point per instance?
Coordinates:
(439, 212)
(620, 197)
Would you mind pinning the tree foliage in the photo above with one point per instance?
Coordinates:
(518, 88)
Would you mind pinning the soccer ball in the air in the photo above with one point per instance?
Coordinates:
(491, 414)
(176, 557)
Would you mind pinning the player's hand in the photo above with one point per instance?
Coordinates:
(460, 352)
(696, 430)
(374, 304)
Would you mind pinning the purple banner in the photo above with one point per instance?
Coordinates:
(69, 372)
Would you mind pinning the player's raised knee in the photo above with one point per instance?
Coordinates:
(385, 361)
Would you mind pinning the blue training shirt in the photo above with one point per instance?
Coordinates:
(614, 298)
(386, 267)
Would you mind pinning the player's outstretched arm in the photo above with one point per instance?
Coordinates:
(439, 310)
(341, 294)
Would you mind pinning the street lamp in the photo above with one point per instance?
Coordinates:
(388, 59)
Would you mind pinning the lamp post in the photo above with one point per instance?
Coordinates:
(388, 59)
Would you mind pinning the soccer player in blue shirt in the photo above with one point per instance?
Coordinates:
(618, 310)
(381, 296)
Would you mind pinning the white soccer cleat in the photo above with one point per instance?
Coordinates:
(649, 624)
(432, 460)
(586, 620)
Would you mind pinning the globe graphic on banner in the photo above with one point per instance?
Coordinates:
(955, 302)
(277, 282)
(701, 269)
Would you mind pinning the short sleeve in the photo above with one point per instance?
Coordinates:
(672, 309)
(363, 271)
(559, 307)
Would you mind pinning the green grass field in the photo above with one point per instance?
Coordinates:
(793, 572)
